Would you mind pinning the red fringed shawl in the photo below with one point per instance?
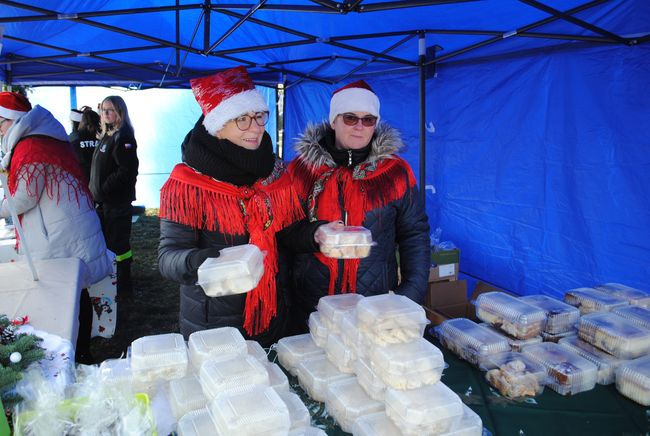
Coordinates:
(201, 202)
(359, 189)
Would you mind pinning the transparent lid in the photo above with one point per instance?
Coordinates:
(250, 411)
(185, 395)
(291, 350)
(219, 375)
(470, 340)
(564, 366)
(614, 334)
(316, 325)
(340, 355)
(298, 412)
(605, 362)
(197, 423)
(516, 344)
(411, 357)
(468, 424)
(560, 316)
(508, 307)
(237, 269)
(349, 330)
(278, 380)
(591, 300)
(333, 307)
(375, 424)
(115, 371)
(514, 374)
(424, 405)
(219, 343)
(315, 373)
(368, 380)
(385, 310)
(632, 295)
(151, 352)
(636, 371)
(255, 349)
(346, 401)
(638, 315)
(346, 236)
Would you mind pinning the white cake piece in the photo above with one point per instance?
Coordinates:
(390, 319)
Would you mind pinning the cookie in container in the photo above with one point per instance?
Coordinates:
(508, 313)
(515, 375)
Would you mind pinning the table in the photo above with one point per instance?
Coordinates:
(8, 251)
(52, 303)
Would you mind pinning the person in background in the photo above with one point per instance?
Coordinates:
(113, 175)
(51, 198)
(85, 128)
(348, 169)
(230, 190)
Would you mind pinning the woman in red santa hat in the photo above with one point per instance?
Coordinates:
(49, 194)
(348, 169)
(231, 190)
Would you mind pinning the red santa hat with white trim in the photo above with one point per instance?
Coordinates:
(354, 97)
(13, 105)
(225, 96)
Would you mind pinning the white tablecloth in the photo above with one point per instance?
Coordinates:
(52, 302)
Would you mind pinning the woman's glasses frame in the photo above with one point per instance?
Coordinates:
(353, 120)
(245, 121)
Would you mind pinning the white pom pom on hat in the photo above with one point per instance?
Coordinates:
(75, 115)
(354, 97)
(13, 105)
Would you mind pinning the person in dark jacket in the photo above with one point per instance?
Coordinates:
(85, 127)
(230, 190)
(113, 174)
(348, 169)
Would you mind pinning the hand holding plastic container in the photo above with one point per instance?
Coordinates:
(237, 270)
(344, 242)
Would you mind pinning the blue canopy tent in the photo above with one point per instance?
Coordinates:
(526, 121)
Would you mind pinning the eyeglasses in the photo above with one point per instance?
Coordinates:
(352, 120)
(244, 122)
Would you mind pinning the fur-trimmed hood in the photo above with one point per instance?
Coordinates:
(385, 144)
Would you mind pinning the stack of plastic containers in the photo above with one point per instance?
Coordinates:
(298, 412)
(186, 395)
(511, 315)
(316, 373)
(634, 296)
(375, 424)
(351, 336)
(294, 349)
(633, 380)
(197, 423)
(390, 319)
(219, 343)
(514, 374)
(346, 401)
(561, 317)
(638, 315)
(605, 362)
(590, 300)
(159, 357)
(219, 375)
(568, 373)
(470, 341)
(350, 242)
(317, 329)
(334, 307)
(331, 311)
(614, 334)
(368, 380)
(237, 270)
(255, 349)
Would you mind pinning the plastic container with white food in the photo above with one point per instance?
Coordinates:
(316, 373)
(159, 357)
(298, 412)
(633, 380)
(346, 401)
(217, 376)
(470, 341)
(340, 355)
(614, 334)
(219, 343)
(514, 374)
(605, 362)
(390, 319)
(333, 307)
(317, 329)
(292, 350)
(186, 395)
(510, 314)
(350, 334)
(350, 242)
(560, 316)
(368, 380)
(590, 300)
(634, 296)
(237, 270)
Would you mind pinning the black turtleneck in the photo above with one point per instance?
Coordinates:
(343, 157)
(225, 161)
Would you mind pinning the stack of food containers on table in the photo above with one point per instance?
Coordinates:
(561, 318)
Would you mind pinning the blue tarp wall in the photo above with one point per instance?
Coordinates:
(540, 162)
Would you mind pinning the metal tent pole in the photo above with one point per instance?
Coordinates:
(422, 51)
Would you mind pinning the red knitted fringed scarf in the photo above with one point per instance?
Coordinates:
(201, 202)
(360, 190)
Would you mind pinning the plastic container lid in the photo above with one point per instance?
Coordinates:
(294, 349)
(375, 424)
(409, 358)
(340, 355)
(333, 307)
(469, 424)
(515, 344)
(250, 411)
(385, 310)
(278, 380)
(633, 380)
(633, 296)
(197, 423)
(514, 374)
(568, 372)
(590, 300)
(346, 401)
(638, 315)
(368, 380)
(560, 316)
(315, 373)
(298, 412)
(510, 314)
(317, 329)
(159, 357)
(219, 375)
(255, 349)
(219, 343)
(116, 371)
(605, 362)
(469, 340)
(237, 270)
(186, 395)
(614, 334)
(351, 242)
(350, 334)
(431, 405)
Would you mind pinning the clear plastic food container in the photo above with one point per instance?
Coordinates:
(255, 349)
(548, 337)
(315, 374)
(633, 380)
(236, 270)
(333, 307)
(340, 355)
(350, 334)
(469, 424)
(560, 316)
(614, 334)
(219, 375)
(569, 373)
(390, 319)
(637, 314)
(515, 375)
(590, 300)
(346, 401)
(294, 349)
(317, 329)
(186, 395)
(298, 412)
(511, 315)
(116, 372)
(351, 242)
(633, 296)
(278, 380)
(427, 410)
(470, 341)
(219, 343)
(515, 344)
(605, 362)
(368, 380)
(197, 423)
(250, 411)
(375, 424)
(307, 431)
(159, 357)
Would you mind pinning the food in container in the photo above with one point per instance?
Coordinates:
(605, 362)
(349, 242)
(633, 380)
(375, 424)
(317, 329)
(560, 316)
(292, 350)
(514, 374)
(159, 357)
(197, 423)
(346, 401)
(470, 341)
(340, 355)
(508, 313)
(186, 395)
(590, 300)
(515, 343)
(316, 373)
(390, 319)
(633, 296)
(614, 334)
(298, 412)
(368, 380)
(332, 308)
(637, 314)
(219, 343)
(217, 376)
(237, 270)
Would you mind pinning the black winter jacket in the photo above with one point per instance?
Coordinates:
(84, 143)
(115, 168)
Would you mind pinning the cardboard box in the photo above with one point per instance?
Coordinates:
(445, 265)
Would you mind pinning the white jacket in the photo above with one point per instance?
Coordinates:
(57, 227)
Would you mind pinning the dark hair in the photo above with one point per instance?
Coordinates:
(89, 120)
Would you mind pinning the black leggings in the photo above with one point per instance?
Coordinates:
(116, 225)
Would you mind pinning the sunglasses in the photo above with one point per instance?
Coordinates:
(244, 122)
(352, 120)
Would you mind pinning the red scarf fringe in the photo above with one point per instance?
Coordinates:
(262, 210)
